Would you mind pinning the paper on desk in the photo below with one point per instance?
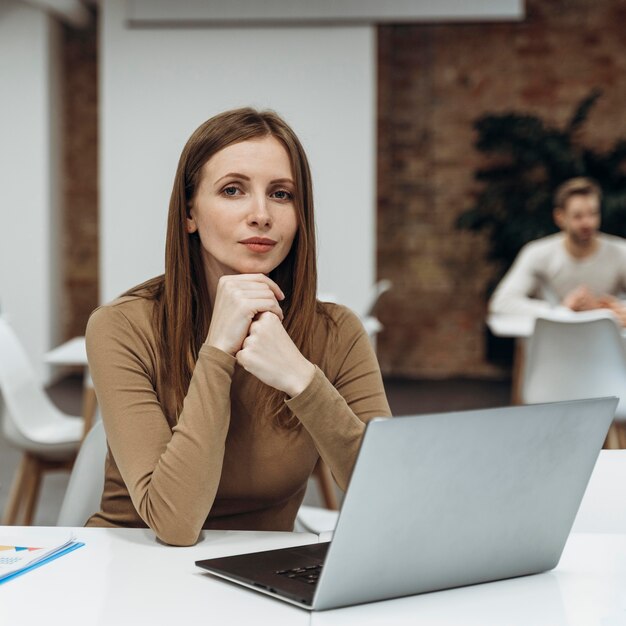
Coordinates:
(16, 560)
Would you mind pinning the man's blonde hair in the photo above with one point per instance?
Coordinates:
(579, 186)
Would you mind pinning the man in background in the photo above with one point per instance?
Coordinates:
(579, 268)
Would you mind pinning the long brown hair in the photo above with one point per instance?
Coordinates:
(183, 309)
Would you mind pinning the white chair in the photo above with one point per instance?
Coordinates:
(31, 422)
(313, 519)
(84, 490)
(603, 508)
(379, 288)
(371, 323)
(581, 357)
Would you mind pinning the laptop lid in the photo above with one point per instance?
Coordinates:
(444, 500)
(439, 501)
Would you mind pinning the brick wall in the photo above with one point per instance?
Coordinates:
(80, 189)
(434, 80)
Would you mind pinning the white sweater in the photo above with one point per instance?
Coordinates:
(544, 273)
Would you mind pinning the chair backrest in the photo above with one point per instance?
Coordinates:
(84, 490)
(378, 289)
(574, 359)
(603, 508)
(26, 403)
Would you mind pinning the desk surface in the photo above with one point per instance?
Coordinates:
(72, 352)
(125, 577)
(511, 325)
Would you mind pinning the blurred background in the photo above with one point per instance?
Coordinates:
(98, 98)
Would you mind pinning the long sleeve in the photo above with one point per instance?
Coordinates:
(334, 413)
(513, 294)
(172, 475)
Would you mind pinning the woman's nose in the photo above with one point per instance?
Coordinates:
(259, 214)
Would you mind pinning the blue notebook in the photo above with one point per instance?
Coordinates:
(17, 560)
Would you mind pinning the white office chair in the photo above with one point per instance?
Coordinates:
(370, 322)
(583, 357)
(31, 422)
(379, 288)
(313, 519)
(84, 490)
(603, 508)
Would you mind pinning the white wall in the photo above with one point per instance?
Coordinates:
(158, 85)
(29, 160)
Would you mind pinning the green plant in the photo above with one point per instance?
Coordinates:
(528, 160)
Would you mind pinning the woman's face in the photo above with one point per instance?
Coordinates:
(244, 210)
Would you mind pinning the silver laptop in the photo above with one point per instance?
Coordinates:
(440, 501)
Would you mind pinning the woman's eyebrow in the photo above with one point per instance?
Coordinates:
(244, 177)
(233, 175)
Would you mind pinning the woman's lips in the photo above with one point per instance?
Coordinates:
(258, 244)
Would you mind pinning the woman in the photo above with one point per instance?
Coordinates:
(223, 381)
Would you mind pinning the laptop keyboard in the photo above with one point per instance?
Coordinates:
(309, 574)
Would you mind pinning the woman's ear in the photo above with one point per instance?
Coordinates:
(192, 227)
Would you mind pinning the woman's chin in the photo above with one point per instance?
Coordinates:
(255, 268)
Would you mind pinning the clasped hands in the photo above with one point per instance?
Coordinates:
(583, 299)
(247, 323)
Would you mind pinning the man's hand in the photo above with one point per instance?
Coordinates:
(269, 354)
(581, 299)
(616, 306)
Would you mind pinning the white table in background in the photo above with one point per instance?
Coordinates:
(124, 576)
(523, 326)
(517, 326)
(73, 353)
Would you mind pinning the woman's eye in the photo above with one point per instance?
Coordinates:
(231, 190)
(282, 194)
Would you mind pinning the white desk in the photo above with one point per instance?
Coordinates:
(123, 577)
(74, 353)
(511, 325)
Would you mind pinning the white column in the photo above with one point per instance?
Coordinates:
(29, 176)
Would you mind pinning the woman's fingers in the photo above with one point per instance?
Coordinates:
(239, 299)
(250, 282)
(269, 354)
